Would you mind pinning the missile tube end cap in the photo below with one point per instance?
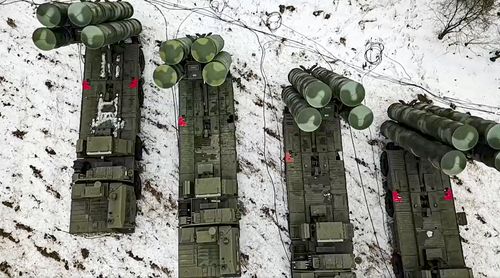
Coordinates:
(309, 119)
(44, 39)
(203, 50)
(352, 93)
(453, 163)
(465, 138)
(165, 76)
(493, 137)
(172, 52)
(93, 37)
(49, 15)
(214, 73)
(497, 161)
(318, 94)
(80, 14)
(360, 117)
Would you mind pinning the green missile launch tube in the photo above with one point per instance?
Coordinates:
(206, 48)
(175, 51)
(450, 161)
(308, 119)
(349, 92)
(316, 92)
(359, 117)
(50, 38)
(461, 136)
(215, 72)
(97, 36)
(90, 13)
(489, 131)
(166, 76)
(487, 155)
(54, 14)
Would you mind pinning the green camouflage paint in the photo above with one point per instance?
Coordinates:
(450, 161)
(166, 76)
(461, 136)
(90, 13)
(50, 38)
(205, 49)
(307, 118)
(54, 14)
(314, 91)
(215, 72)
(175, 51)
(489, 131)
(349, 92)
(96, 36)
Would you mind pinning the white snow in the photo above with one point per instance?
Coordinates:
(111, 116)
(40, 95)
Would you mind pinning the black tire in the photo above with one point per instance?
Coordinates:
(389, 205)
(80, 166)
(397, 265)
(137, 186)
(142, 61)
(141, 93)
(138, 148)
(385, 184)
(384, 164)
(391, 146)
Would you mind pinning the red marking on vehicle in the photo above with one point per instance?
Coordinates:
(86, 85)
(448, 194)
(396, 198)
(182, 121)
(134, 83)
(288, 157)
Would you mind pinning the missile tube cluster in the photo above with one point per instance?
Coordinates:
(206, 50)
(95, 24)
(443, 136)
(309, 92)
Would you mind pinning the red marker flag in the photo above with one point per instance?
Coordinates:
(396, 198)
(448, 194)
(182, 121)
(134, 83)
(86, 85)
(288, 157)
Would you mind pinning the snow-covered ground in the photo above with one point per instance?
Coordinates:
(39, 119)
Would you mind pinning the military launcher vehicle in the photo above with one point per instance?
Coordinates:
(319, 225)
(106, 182)
(419, 198)
(208, 190)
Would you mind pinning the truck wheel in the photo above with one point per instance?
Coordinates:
(138, 148)
(397, 265)
(80, 166)
(389, 205)
(391, 146)
(137, 186)
(142, 61)
(384, 164)
(141, 93)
